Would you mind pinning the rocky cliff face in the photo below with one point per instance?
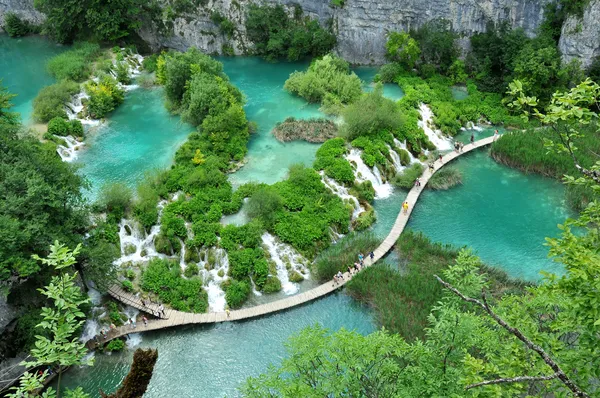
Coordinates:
(361, 25)
(23, 8)
(580, 36)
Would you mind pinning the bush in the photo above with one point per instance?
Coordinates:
(51, 100)
(236, 293)
(445, 178)
(149, 63)
(115, 345)
(265, 205)
(276, 36)
(191, 270)
(74, 64)
(343, 254)
(407, 178)
(365, 220)
(312, 130)
(330, 77)
(127, 285)
(59, 126)
(105, 96)
(15, 26)
(76, 128)
(364, 191)
(115, 199)
(273, 285)
(404, 156)
(371, 114)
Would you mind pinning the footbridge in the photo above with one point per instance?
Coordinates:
(172, 318)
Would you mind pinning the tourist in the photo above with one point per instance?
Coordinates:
(161, 309)
(405, 207)
(431, 167)
(460, 147)
(143, 303)
(103, 333)
(440, 157)
(112, 326)
(418, 182)
(472, 138)
(456, 146)
(145, 320)
(340, 276)
(372, 256)
(360, 257)
(496, 135)
(227, 311)
(358, 266)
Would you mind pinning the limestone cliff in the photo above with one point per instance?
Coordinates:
(23, 8)
(361, 25)
(580, 36)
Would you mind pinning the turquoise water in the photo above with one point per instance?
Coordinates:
(459, 92)
(23, 69)
(138, 137)
(212, 361)
(503, 214)
(367, 74)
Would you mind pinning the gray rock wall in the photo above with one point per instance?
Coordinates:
(580, 37)
(361, 25)
(23, 8)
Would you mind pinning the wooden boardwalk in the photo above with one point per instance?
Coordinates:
(176, 318)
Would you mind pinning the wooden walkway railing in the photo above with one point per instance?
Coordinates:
(175, 318)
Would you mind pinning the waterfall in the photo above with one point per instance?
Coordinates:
(342, 192)
(402, 145)
(212, 280)
(133, 340)
(254, 291)
(435, 136)
(395, 160)
(364, 173)
(282, 254)
(91, 328)
(69, 152)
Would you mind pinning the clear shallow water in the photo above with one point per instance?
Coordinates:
(367, 74)
(138, 136)
(212, 361)
(23, 69)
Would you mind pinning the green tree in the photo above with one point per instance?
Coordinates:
(540, 70)
(436, 40)
(402, 48)
(265, 204)
(6, 116)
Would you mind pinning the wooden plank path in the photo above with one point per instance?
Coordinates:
(175, 318)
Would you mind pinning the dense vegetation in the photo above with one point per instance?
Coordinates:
(51, 100)
(312, 130)
(344, 254)
(16, 27)
(329, 81)
(74, 64)
(276, 35)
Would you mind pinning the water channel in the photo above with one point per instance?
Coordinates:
(516, 211)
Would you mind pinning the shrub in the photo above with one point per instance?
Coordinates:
(149, 63)
(122, 72)
(272, 285)
(364, 191)
(191, 270)
(236, 293)
(115, 199)
(115, 345)
(59, 126)
(365, 220)
(445, 178)
(402, 48)
(344, 253)
(15, 26)
(127, 285)
(275, 35)
(328, 76)
(105, 96)
(74, 64)
(76, 128)
(407, 178)
(404, 156)
(295, 276)
(388, 73)
(51, 100)
(265, 205)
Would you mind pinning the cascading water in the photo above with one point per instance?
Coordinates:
(402, 145)
(364, 173)
(212, 280)
(395, 160)
(435, 136)
(285, 256)
(342, 192)
(69, 152)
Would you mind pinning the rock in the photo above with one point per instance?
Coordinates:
(24, 9)
(579, 37)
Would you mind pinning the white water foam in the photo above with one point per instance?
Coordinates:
(343, 193)
(364, 173)
(69, 152)
(91, 328)
(133, 340)
(280, 252)
(212, 280)
(435, 136)
(395, 160)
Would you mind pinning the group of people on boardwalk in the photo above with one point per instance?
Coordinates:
(353, 269)
(458, 146)
(160, 309)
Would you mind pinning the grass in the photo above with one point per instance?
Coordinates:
(403, 300)
(525, 151)
(445, 178)
(312, 130)
(343, 254)
(406, 179)
(75, 64)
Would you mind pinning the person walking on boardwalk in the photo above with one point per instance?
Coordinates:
(360, 258)
(161, 309)
(496, 135)
(145, 320)
(227, 311)
(418, 182)
(440, 158)
(472, 138)
(372, 256)
(405, 207)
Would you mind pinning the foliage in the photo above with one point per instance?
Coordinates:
(150, 63)
(115, 199)
(371, 114)
(277, 36)
(105, 96)
(6, 116)
(225, 25)
(365, 220)
(311, 130)
(402, 48)
(127, 285)
(115, 345)
(406, 179)
(109, 20)
(163, 277)
(436, 39)
(265, 204)
(191, 270)
(37, 210)
(51, 100)
(74, 64)
(445, 178)
(272, 285)
(364, 191)
(343, 254)
(15, 26)
(539, 69)
(329, 158)
(236, 293)
(328, 80)
(58, 126)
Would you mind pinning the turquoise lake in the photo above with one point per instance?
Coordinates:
(501, 213)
